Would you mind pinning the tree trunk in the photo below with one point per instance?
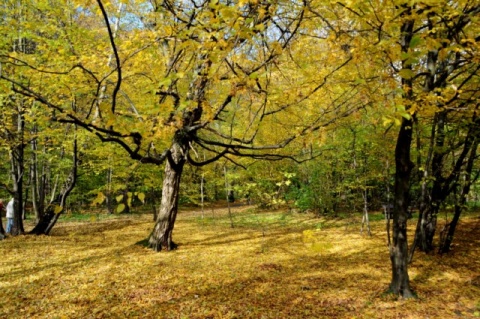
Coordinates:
(48, 219)
(57, 205)
(399, 249)
(400, 284)
(365, 219)
(2, 230)
(443, 186)
(227, 197)
(24, 205)
(34, 176)
(17, 173)
(126, 199)
(109, 193)
(428, 225)
(161, 236)
(428, 221)
(449, 232)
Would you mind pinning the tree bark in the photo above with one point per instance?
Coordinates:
(161, 236)
(400, 284)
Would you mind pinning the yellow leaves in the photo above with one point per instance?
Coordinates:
(99, 199)
(218, 272)
(276, 47)
(141, 197)
(228, 12)
(57, 209)
(120, 208)
(260, 27)
(308, 236)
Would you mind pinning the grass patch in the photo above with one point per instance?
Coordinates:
(270, 265)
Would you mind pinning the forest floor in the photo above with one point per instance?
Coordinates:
(270, 265)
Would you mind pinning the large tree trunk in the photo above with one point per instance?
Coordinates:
(399, 248)
(161, 236)
(400, 284)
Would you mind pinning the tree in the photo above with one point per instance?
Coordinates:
(217, 71)
(24, 125)
(57, 205)
(449, 77)
(424, 54)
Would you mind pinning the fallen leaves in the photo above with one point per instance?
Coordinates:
(95, 269)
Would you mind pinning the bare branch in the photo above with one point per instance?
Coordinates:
(117, 58)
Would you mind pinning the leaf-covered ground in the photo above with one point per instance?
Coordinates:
(271, 265)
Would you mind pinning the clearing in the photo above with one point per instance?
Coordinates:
(271, 265)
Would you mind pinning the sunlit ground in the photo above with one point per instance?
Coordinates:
(270, 265)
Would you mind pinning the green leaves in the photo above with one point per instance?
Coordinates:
(416, 41)
(406, 74)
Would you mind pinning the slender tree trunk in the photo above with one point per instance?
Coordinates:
(24, 205)
(443, 186)
(388, 206)
(365, 219)
(34, 176)
(202, 192)
(2, 230)
(428, 221)
(227, 197)
(447, 238)
(57, 205)
(17, 172)
(109, 197)
(161, 236)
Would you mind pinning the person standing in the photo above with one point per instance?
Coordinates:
(2, 230)
(9, 216)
